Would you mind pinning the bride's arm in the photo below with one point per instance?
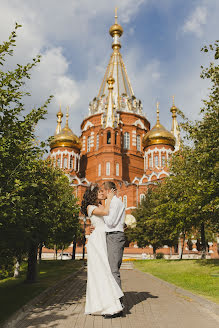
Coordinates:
(104, 210)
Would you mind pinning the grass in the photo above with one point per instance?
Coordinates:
(198, 276)
(14, 292)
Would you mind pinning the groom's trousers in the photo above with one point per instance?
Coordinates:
(115, 246)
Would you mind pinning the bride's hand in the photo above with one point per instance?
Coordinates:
(111, 194)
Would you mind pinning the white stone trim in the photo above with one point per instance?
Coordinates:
(87, 125)
(140, 123)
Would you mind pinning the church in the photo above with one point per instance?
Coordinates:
(117, 143)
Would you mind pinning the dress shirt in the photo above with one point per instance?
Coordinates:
(115, 220)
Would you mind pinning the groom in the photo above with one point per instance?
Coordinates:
(115, 237)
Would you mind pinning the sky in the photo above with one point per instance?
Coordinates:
(160, 47)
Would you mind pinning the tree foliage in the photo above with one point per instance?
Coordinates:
(35, 198)
(187, 202)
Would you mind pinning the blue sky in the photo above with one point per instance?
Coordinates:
(160, 47)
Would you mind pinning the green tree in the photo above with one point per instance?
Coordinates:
(151, 229)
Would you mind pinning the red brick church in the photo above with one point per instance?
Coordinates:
(117, 143)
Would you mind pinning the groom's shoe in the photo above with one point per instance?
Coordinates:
(115, 315)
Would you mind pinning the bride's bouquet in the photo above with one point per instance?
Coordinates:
(130, 221)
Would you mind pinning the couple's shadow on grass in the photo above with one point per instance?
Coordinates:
(133, 298)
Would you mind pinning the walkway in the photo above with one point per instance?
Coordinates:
(149, 304)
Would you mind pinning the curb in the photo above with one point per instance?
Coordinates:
(207, 304)
(22, 312)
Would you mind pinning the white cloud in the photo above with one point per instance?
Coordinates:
(195, 22)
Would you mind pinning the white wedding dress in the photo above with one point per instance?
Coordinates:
(103, 292)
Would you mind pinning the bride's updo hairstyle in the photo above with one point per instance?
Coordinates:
(90, 198)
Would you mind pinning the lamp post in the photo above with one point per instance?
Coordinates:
(84, 238)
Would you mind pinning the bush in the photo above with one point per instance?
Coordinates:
(159, 256)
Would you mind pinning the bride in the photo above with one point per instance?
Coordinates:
(103, 293)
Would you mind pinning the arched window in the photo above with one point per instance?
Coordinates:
(97, 142)
(150, 161)
(108, 137)
(88, 144)
(126, 140)
(125, 201)
(138, 141)
(107, 168)
(156, 160)
(71, 162)
(99, 170)
(142, 197)
(117, 169)
(65, 163)
(58, 162)
(163, 159)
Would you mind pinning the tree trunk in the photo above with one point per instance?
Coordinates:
(32, 264)
(154, 251)
(183, 245)
(73, 250)
(56, 253)
(40, 252)
(203, 241)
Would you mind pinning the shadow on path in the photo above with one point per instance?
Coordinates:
(132, 298)
(63, 301)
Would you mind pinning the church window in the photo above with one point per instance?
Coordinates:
(163, 160)
(99, 170)
(150, 161)
(126, 140)
(156, 160)
(125, 201)
(108, 137)
(97, 143)
(142, 197)
(71, 162)
(88, 143)
(58, 162)
(138, 142)
(107, 168)
(117, 169)
(65, 163)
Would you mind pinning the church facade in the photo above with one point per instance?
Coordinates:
(117, 142)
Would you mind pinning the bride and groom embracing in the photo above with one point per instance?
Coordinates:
(104, 250)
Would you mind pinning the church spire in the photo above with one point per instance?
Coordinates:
(175, 128)
(59, 121)
(122, 93)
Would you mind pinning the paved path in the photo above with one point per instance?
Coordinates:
(149, 304)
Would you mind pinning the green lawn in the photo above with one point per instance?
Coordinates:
(14, 293)
(198, 276)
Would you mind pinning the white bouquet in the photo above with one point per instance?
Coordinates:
(130, 221)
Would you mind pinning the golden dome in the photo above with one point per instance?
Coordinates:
(65, 138)
(116, 28)
(158, 135)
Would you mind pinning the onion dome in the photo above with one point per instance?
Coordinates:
(116, 29)
(158, 135)
(65, 138)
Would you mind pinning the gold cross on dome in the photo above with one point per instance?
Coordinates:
(116, 15)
